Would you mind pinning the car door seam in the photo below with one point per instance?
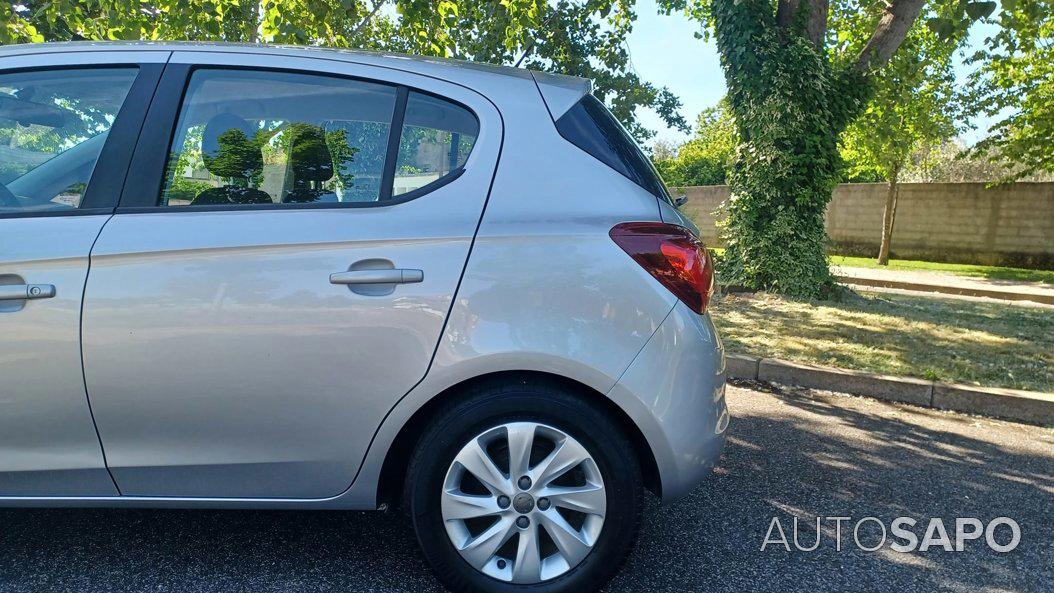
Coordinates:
(80, 339)
(450, 309)
(87, 276)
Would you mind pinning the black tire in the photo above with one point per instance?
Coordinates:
(493, 405)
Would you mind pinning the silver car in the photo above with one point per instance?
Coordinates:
(249, 277)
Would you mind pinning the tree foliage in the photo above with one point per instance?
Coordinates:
(579, 38)
(795, 83)
(913, 108)
(953, 162)
(707, 157)
(586, 39)
(1015, 85)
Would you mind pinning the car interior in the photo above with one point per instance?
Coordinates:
(243, 138)
(52, 130)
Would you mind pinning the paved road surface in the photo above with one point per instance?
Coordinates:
(800, 453)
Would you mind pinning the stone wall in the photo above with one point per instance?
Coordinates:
(949, 222)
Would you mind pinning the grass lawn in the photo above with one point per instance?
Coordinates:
(988, 272)
(976, 271)
(957, 341)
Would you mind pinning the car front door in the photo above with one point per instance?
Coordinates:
(68, 123)
(279, 271)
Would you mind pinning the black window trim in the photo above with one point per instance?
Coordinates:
(395, 134)
(108, 176)
(659, 190)
(141, 193)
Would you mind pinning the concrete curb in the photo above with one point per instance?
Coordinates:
(1006, 295)
(1010, 404)
(1026, 406)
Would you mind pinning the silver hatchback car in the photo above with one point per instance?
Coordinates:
(248, 277)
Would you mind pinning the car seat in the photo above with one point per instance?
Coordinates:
(230, 151)
(311, 164)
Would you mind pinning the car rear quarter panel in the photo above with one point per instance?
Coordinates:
(545, 288)
(675, 392)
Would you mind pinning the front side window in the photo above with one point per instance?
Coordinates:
(436, 139)
(53, 125)
(260, 138)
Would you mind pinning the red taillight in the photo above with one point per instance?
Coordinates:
(673, 255)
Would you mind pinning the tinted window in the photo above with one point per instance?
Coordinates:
(247, 137)
(53, 125)
(591, 127)
(436, 139)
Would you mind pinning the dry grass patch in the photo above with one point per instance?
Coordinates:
(958, 341)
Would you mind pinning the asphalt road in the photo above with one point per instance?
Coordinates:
(802, 454)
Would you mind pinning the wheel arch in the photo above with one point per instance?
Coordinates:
(393, 470)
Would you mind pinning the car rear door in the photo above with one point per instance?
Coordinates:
(68, 124)
(261, 299)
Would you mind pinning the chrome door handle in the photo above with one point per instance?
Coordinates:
(382, 276)
(21, 292)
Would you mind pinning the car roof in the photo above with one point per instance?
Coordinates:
(560, 91)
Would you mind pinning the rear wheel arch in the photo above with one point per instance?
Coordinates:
(393, 471)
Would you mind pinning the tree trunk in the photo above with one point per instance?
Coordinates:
(814, 22)
(889, 214)
(791, 103)
(787, 164)
(897, 18)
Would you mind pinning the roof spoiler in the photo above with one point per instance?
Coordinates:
(561, 92)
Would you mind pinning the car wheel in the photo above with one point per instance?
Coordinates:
(524, 487)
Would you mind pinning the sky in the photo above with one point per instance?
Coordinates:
(665, 52)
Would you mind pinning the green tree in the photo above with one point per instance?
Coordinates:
(953, 162)
(579, 38)
(794, 85)
(913, 107)
(707, 157)
(1015, 85)
(586, 39)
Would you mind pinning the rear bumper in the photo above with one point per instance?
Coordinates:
(675, 391)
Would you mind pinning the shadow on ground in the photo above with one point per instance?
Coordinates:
(806, 454)
(802, 453)
(988, 343)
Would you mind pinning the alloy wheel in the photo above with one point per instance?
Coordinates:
(523, 502)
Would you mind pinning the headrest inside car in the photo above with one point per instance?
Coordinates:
(229, 147)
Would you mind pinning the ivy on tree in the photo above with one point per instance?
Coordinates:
(791, 97)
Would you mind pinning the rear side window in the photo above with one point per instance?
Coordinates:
(591, 127)
(436, 139)
(260, 138)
